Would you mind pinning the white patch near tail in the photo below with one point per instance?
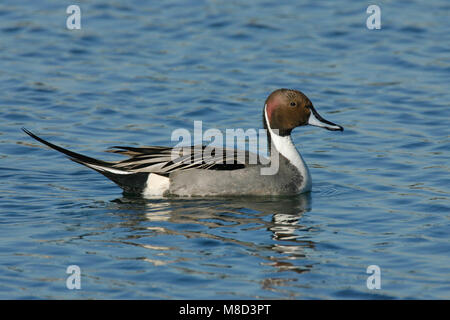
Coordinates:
(156, 185)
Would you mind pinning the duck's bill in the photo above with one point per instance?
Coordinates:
(316, 120)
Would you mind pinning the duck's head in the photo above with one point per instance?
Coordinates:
(287, 109)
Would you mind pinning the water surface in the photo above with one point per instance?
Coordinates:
(135, 72)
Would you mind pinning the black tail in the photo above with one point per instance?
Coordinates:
(128, 181)
(72, 155)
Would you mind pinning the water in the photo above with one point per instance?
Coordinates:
(135, 72)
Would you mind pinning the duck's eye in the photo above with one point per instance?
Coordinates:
(293, 104)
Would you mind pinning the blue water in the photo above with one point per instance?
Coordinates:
(135, 72)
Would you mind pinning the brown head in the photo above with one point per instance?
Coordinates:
(287, 109)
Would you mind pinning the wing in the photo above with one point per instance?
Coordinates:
(164, 160)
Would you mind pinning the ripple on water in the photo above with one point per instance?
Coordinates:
(133, 74)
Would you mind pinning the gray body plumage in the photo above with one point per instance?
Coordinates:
(245, 181)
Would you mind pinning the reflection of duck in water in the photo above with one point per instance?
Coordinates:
(231, 221)
(289, 235)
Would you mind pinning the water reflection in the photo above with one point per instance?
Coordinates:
(269, 229)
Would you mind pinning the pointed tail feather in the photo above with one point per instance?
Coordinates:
(130, 182)
(73, 155)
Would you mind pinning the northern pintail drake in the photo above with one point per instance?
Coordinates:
(155, 171)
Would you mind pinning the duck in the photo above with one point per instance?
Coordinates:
(158, 171)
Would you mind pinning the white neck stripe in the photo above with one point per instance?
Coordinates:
(286, 147)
